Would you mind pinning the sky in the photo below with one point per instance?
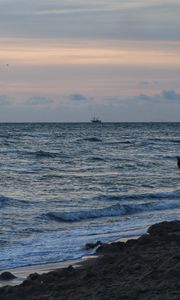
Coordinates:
(70, 60)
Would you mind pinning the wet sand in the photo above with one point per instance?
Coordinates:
(145, 268)
(22, 273)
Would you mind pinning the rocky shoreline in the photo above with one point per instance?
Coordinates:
(145, 268)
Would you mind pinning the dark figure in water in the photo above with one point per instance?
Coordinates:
(178, 161)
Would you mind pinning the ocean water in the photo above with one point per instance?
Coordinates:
(63, 185)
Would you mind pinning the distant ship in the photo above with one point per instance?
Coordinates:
(96, 120)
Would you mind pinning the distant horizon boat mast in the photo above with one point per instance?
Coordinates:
(96, 120)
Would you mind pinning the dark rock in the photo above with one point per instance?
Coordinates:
(144, 239)
(164, 228)
(111, 248)
(33, 276)
(70, 268)
(137, 266)
(93, 245)
(7, 276)
(89, 275)
(131, 243)
(146, 268)
(26, 283)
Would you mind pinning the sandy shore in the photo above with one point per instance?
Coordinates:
(22, 273)
(145, 268)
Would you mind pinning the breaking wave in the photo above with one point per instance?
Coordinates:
(6, 201)
(111, 211)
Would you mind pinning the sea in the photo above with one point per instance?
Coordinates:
(63, 185)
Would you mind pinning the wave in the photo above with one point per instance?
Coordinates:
(41, 154)
(6, 201)
(96, 158)
(174, 141)
(3, 243)
(48, 154)
(144, 196)
(92, 139)
(126, 142)
(111, 211)
(164, 140)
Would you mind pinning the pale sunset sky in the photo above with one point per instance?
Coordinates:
(68, 60)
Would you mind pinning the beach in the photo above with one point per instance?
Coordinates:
(79, 185)
(65, 185)
(90, 150)
(143, 268)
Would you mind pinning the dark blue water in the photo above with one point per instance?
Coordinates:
(63, 185)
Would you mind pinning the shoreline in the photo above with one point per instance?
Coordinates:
(143, 268)
(22, 273)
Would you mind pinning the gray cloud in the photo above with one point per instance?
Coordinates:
(165, 95)
(78, 97)
(145, 83)
(171, 95)
(4, 100)
(39, 100)
(144, 97)
(148, 83)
